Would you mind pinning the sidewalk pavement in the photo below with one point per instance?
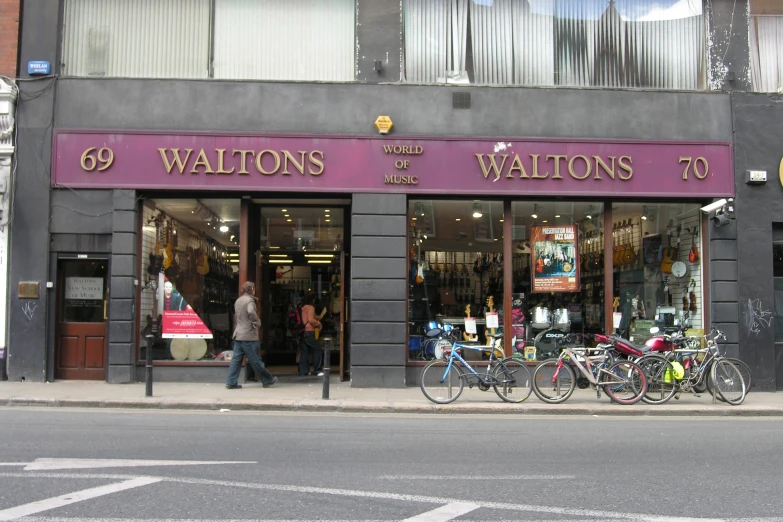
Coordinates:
(307, 396)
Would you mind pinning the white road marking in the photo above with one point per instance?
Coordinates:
(14, 463)
(476, 477)
(444, 513)
(591, 513)
(71, 498)
(54, 464)
(83, 519)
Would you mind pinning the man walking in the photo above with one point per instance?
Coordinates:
(246, 339)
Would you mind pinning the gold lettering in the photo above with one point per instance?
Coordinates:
(587, 164)
(599, 162)
(243, 165)
(388, 179)
(260, 167)
(494, 166)
(405, 150)
(517, 165)
(535, 167)
(202, 161)
(179, 161)
(221, 159)
(317, 163)
(626, 167)
(298, 166)
(414, 180)
(419, 149)
(388, 149)
(557, 158)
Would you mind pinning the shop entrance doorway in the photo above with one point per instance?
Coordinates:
(80, 351)
(284, 281)
(300, 251)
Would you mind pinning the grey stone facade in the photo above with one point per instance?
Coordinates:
(50, 221)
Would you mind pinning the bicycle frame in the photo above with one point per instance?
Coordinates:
(588, 369)
(473, 373)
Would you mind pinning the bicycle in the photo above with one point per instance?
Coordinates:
(443, 379)
(694, 369)
(623, 381)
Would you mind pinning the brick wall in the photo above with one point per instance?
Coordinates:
(9, 36)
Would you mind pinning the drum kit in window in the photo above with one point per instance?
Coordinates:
(551, 328)
(436, 343)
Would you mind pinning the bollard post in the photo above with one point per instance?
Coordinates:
(327, 366)
(148, 378)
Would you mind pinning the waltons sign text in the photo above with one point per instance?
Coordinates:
(415, 165)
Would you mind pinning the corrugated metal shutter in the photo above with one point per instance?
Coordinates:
(137, 38)
(285, 39)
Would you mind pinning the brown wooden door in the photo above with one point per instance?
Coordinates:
(80, 352)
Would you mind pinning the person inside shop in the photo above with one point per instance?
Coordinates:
(245, 338)
(309, 347)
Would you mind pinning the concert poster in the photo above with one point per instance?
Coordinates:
(554, 258)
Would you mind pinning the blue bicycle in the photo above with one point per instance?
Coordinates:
(444, 378)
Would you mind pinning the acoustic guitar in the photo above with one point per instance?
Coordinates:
(693, 254)
(202, 259)
(629, 255)
(669, 256)
(168, 252)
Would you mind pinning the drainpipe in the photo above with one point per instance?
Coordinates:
(8, 96)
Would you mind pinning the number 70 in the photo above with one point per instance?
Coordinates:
(699, 173)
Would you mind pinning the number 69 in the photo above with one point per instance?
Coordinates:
(90, 160)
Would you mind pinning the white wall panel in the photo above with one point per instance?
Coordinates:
(285, 39)
(136, 38)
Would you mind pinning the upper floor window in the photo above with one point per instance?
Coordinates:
(230, 39)
(766, 45)
(601, 43)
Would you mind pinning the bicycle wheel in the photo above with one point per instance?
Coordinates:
(661, 380)
(513, 380)
(744, 370)
(625, 383)
(439, 386)
(727, 382)
(552, 385)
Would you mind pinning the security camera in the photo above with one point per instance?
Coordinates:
(715, 205)
(721, 217)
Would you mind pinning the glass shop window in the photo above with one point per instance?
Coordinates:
(455, 264)
(558, 274)
(657, 268)
(190, 263)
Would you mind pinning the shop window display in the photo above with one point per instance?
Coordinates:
(657, 268)
(190, 256)
(455, 273)
(558, 274)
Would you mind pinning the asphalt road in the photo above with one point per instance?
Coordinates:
(384, 467)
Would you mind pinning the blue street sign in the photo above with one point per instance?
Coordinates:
(38, 68)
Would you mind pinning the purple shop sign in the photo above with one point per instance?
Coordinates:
(414, 165)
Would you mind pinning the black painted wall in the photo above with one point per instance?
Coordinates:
(759, 124)
(379, 290)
